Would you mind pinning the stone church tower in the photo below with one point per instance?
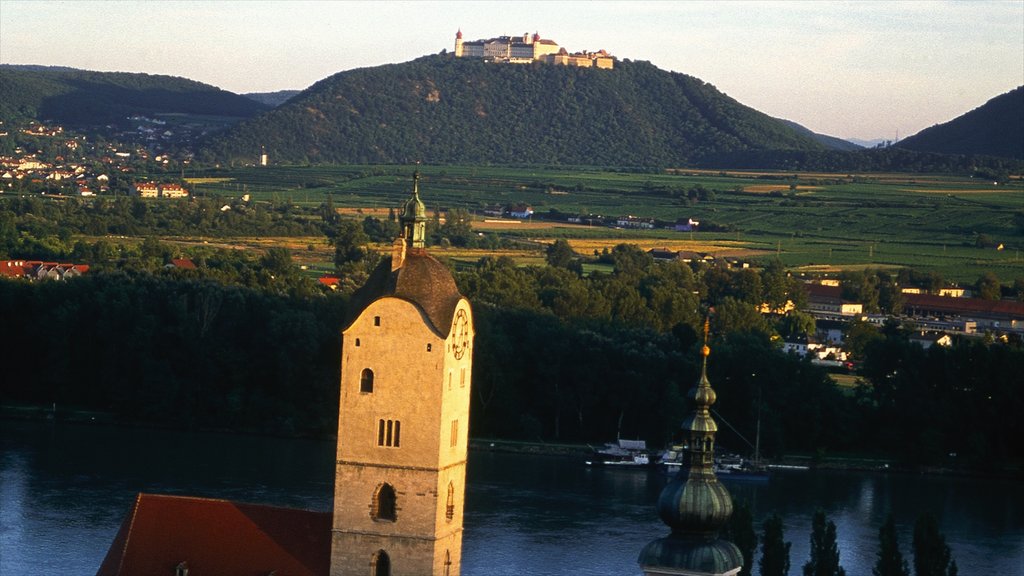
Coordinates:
(404, 416)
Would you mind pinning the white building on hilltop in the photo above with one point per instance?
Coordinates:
(528, 48)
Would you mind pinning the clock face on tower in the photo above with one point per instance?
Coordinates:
(461, 334)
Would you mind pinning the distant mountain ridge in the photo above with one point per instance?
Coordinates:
(993, 129)
(439, 109)
(272, 99)
(82, 98)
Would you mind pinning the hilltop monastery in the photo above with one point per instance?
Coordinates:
(526, 49)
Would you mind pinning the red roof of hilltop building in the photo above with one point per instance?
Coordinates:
(168, 534)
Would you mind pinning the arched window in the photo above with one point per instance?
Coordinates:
(366, 380)
(380, 564)
(449, 511)
(384, 506)
(447, 563)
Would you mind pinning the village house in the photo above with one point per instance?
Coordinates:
(929, 339)
(635, 222)
(828, 300)
(686, 225)
(520, 211)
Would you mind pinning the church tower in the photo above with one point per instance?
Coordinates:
(406, 364)
(458, 43)
(694, 504)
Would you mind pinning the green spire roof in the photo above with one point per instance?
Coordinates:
(694, 504)
(414, 216)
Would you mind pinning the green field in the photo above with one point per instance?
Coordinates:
(929, 222)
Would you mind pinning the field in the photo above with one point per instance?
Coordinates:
(811, 221)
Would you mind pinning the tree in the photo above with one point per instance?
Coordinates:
(561, 255)
(775, 284)
(774, 552)
(988, 286)
(931, 554)
(740, 531)
(890, 561)
(350, 243)
(824, 550)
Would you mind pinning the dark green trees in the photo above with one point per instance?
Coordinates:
(824, 550)
(890, 560)
(774, 552)
(931, 554)
(740, 531)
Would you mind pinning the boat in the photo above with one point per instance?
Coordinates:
(622, 454)
(731, 466)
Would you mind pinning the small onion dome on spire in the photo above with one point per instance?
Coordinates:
(458, 35)
(536, 36)
(414, 208)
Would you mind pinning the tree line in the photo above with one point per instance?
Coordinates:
(931, 555)
(253, 345)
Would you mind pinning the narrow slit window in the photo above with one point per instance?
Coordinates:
(380, 433)
(398, 434)
(376, 320)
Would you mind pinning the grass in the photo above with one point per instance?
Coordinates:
(810, 221)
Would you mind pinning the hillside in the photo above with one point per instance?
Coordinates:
(830, 142)
(994, 129)
(438, 109)
(85, 99)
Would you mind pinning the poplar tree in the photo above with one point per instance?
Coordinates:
(931, 554)
(824, 550)
(890, 561)
(740, 531)
(774, 552)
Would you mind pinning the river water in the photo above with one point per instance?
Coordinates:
(65, 489)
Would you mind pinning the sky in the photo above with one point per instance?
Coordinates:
(866, 70)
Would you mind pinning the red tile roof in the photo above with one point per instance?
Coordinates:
(965, 306)
(183, 263)
(218, 537)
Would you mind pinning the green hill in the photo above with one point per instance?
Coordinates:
(439, 109)
(84, 99)
(994, 129)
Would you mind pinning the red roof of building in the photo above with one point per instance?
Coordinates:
(183, 263)
(219, 538)
(329, 280)
(965, 306)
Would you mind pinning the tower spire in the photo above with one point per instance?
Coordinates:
(694, 504)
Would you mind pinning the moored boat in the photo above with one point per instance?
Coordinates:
(622, 453)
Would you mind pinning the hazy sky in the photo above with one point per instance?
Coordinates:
(849, 69)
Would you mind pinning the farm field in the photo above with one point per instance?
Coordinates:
(817, 222)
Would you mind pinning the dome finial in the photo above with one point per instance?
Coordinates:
(414, 216)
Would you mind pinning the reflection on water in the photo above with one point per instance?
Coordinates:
(64, 491)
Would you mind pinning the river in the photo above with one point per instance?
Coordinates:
(65, 489)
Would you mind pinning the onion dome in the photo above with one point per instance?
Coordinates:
(536, 36)
(414, 217)
(694, 504)
(458, 35)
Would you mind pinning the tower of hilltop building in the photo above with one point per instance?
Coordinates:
(404, 415)
(694, 503)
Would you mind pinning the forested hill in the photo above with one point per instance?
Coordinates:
(438, 109)
(81, 98)
(994, 129)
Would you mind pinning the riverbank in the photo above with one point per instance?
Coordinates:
(837, 462)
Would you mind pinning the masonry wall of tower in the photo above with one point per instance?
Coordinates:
(403, 417)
